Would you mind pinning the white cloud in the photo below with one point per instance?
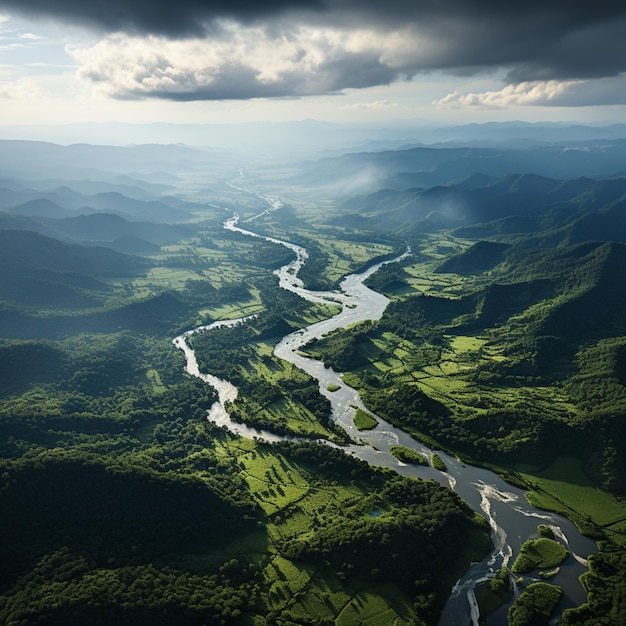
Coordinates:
(376, 104)
(246, 62)
(528, 93)
(20, 90)
(602, 91)
(13, 46)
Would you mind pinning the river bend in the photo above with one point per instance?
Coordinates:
(511, 518)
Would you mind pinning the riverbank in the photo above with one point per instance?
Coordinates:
(504, 506)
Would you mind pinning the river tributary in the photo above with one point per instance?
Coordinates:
(511, 518)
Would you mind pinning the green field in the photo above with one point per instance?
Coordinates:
(407, 455)
(438, 463)
(541, 553)
(364, 421)
(564, 487)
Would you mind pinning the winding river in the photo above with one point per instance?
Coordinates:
(511, 518)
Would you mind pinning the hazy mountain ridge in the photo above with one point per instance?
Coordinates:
(40, 160)
(425, 167)
(110, 226)
(516, 203)
(39, 273)
(65, 202)
(101, 229)
(313, 136)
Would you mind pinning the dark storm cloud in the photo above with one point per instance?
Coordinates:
(190, 16)
(177, 18)
(537, 39)
(532, 40)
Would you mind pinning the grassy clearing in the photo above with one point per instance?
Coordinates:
(539, 554)
(232, 310)
(564, 487)
(368, 608)
(284, 413)
(190, 261)
(297, 419)
(314, 313)
(172, 278)
(448, 380)
(447, 375)
(421, 278)
(294, 500)
(273, 481)
(144, 432)
(407, 455)
(155, 380)
(438, 463)
(348, 604)
(345, 256)
(364, 421)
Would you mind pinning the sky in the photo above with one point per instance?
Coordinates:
(225, 61)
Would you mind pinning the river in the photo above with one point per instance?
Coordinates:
(511, 518)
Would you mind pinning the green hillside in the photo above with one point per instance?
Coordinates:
(515, 204)
(24, 250)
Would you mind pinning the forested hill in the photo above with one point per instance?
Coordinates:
(50, 288)
(515, 205)
(27, 252)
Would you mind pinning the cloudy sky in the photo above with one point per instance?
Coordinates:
(340, 60)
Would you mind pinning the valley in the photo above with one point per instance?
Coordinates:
(501, 347)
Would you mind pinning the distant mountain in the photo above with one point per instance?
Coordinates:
(41, 207)
(523, 204)
(65, 201)
(49, 288)
(146, 210)
(107, 227)
(10, 221)
(45, 283)
(524, 133)
(13, 185)
(101, 229)
(427, 167)
(314, 137)
(125, 185)
(39, 160)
